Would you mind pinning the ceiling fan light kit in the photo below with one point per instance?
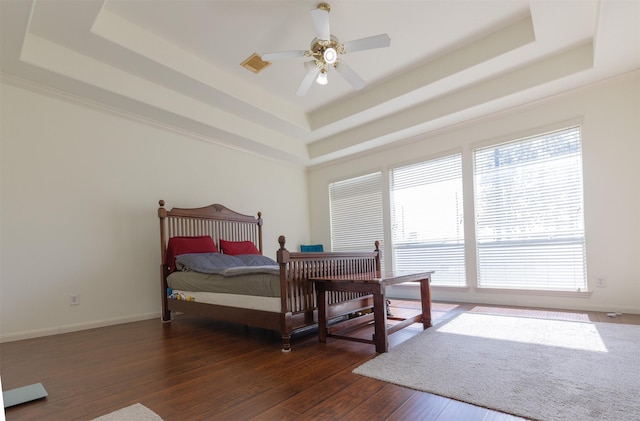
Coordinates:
(325, 52)
(322, 77)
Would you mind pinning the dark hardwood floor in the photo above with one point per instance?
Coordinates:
(198, 369)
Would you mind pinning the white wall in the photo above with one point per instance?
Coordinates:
(78, 208)
(610, 116)
(80, 186)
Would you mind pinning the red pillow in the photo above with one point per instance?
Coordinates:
(234, 248)
(185, 245)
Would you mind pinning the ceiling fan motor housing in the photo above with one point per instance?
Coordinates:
(319, 47)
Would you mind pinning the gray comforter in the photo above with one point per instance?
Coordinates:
(214, 272)
(259, 284)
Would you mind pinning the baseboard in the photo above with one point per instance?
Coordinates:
(30, 334)
(577, 301)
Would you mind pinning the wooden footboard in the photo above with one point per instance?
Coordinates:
(297, 293)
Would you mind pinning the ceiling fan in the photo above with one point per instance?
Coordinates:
(325, 52)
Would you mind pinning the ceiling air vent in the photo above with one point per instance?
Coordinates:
(255, 63)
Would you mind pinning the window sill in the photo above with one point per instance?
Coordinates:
(500, 291)
(413, 285)
(547, 293)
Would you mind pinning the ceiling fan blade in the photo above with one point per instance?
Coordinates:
(350, 76)
(282, 55)
(320, 20)
(309, 78)
(376, 41)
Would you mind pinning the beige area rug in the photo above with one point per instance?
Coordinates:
(135, 412)
(535, 368)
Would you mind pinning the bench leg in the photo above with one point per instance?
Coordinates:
(322, 315)
(425, 300)
(380, 323)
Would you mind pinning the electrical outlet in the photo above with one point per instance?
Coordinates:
(601, 282)
(74, 299)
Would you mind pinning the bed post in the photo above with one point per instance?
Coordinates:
(377, 250)
(282, 254)
(282, 257)
(260, 231)
(285, 332)
(165, 314)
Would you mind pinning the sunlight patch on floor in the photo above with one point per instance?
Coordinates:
(557, 333)
(537, 313)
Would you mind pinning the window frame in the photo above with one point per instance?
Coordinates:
(439, 244)
(512, 140)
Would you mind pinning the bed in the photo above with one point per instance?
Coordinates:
(201, 247)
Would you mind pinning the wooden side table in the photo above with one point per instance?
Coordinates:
(371, 284)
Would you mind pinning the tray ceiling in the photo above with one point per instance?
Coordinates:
(178, 63)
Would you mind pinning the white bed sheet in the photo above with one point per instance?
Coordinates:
(271, 304)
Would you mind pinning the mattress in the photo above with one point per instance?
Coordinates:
(235, 300)
(253, 284)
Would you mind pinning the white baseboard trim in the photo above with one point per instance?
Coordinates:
(568, 301)
(30, 334)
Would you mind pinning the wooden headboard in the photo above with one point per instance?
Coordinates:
(216, 221)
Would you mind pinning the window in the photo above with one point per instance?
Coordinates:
(356, 213)
(427, 223)
(529, 213)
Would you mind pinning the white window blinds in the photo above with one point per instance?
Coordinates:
(529, 213)
(356, 213)
(427, 225)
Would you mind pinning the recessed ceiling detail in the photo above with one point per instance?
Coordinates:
(176, 63)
